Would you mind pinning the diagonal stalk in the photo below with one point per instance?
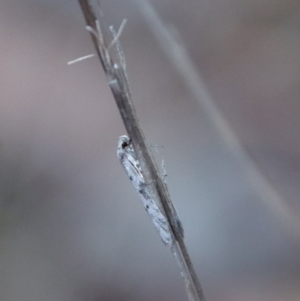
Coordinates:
(117, 79)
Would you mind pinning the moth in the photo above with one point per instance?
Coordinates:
(128, 159)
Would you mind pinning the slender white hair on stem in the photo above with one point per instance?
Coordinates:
(82, 58)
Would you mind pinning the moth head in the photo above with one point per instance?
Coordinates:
(124, 141)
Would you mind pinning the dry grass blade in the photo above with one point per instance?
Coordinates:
(117, 79)
(177, 54)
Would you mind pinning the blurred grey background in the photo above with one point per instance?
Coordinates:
(73, 228)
